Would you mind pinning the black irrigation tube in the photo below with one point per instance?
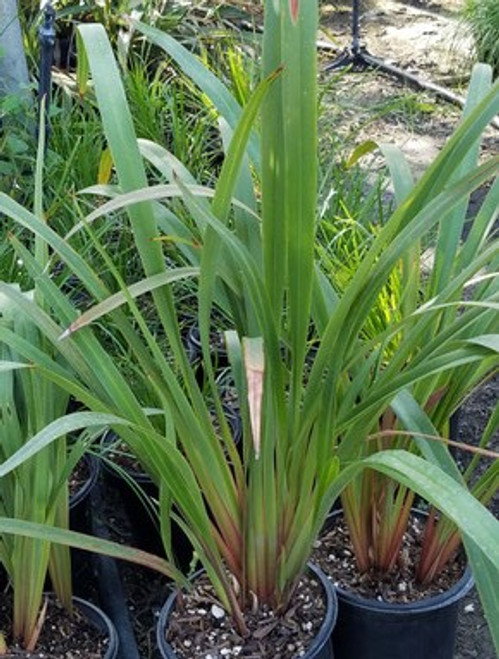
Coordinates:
(111, 595)
(361, 59)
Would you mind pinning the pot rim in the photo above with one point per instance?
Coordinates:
(93, 468)
(454, 594)
(95, 616)
(142, 477)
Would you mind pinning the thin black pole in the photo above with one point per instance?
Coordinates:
(355, 27)
(354, 54)
(46, 38)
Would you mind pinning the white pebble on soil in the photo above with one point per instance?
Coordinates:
(217, 612)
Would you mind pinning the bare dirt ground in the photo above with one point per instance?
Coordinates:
(473, 636)
(418, 35)
(426, 38)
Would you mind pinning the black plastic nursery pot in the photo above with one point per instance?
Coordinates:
(217, 347)
(368, 629)
(102, 623)
(218, 351)
(134, 487)
(80, 520)
(320, 648)
(79, 509)
(97, 620)
(371, 629)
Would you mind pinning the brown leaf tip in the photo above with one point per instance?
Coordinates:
(294, 7)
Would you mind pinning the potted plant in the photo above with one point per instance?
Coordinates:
(377, 510)
(392, 563)
(253, 518)
(37, 491)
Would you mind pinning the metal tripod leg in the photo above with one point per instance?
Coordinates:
(357, 60)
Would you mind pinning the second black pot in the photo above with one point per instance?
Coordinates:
(138, 492)
(79, 511)
(368, 629)
(80, 520)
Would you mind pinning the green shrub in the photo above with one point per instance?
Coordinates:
(482, 17)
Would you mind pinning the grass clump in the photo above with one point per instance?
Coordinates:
(482, 18)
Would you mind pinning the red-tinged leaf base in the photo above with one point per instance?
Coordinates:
(334, 554)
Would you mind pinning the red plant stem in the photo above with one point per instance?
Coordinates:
(439, 545)
(231, 555)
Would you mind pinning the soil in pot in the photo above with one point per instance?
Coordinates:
(391, 616)
(194, 625)
(87, 634)
(333, 552)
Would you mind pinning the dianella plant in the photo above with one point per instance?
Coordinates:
(459, 277)
(252, 514)
(37, 490)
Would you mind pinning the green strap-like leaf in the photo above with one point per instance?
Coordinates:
(134, 290)
(90, 543)
(12, 366)
(414, 419)
(53, 431)
(289, 176)
(451, 228)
